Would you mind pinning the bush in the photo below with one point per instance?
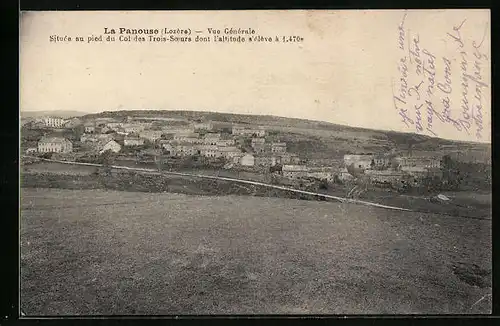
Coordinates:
(323, 185)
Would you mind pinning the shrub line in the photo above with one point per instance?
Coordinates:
(153, 171)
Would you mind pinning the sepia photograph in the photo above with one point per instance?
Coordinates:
(286, 162)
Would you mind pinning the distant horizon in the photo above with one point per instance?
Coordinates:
(252, 114)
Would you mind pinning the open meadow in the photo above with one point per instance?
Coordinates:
(104, 252)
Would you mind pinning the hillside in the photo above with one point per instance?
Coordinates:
(57, 113)
(325, 140)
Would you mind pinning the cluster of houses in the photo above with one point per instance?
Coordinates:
(383, 168)
(238, 146)
(185, 140)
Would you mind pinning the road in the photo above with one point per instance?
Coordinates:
(256, 183)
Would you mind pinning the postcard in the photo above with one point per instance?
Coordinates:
(255, 162)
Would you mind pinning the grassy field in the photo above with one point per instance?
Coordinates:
(108, 252)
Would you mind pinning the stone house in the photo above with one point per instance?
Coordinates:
(54, 145)
(110, 145)
(278, 148)
(247, 160)
(295, 171)
(133, 141)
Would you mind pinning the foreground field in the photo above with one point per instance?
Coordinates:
(107, 252)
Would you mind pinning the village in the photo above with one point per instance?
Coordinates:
(169, 143)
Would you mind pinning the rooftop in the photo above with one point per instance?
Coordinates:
(295, 168)
(53, 140)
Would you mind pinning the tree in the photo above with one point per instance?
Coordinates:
(451, 172)
(361, 181)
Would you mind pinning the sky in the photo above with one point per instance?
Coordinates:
(345, 71)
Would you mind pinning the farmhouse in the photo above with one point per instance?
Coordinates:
(54, 145)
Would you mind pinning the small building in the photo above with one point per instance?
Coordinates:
(133, 141)
(113, 125)
(294, 171)
(229, 152)
(252, 132)
(168, 147)
(209, 151)
(360, 161)
(278, 148)
(186, 150)
(181, 137)
(225, 142)
(31, 150)
(121, 131)
(247, 160)
(344, 175)
(418, 163)
(203, 125)
(382, 161)
(212, 136)
(258, 141)
(322, 173)
(265, 161)
(89, 128)
(54, 145)
(104, 129)
(259, 145)
(191, 140)
(111, 145)
(151, 135)
(133, 127)
(288, 158)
